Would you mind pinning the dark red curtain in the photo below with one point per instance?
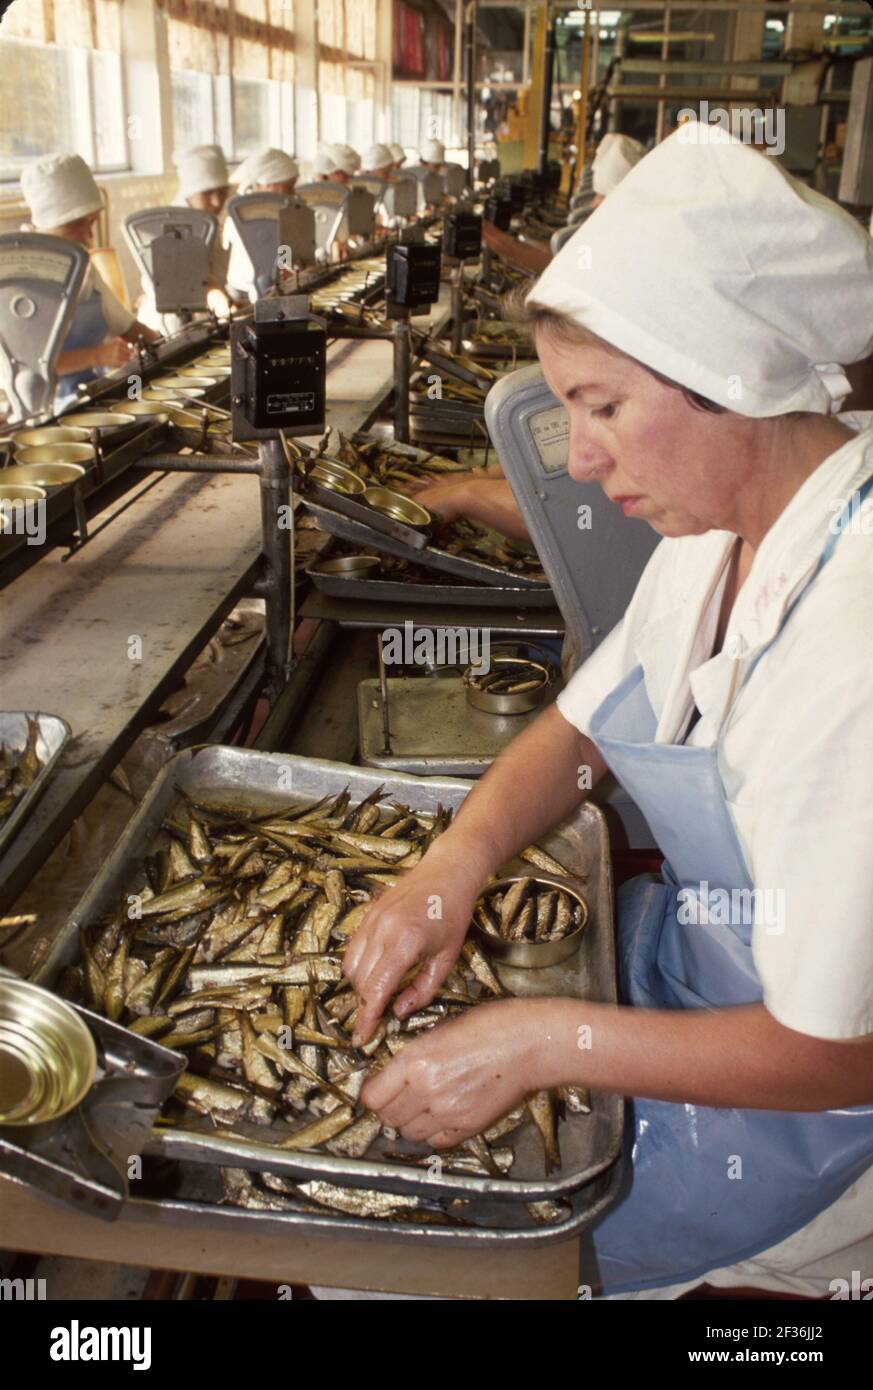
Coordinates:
(408, 41)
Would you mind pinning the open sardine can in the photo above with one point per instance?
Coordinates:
(41, 475)
(348, 566)
(156, 409)
(54, 462)
(49, 434)
(105, 422)
(540, 901)
(335, 476)
(395, 505)
(511, 685)
(173, 393)
(48, 1060)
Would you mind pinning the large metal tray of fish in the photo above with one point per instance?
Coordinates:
(181, 831)
(30, 745)
(432, 556)
(418, 591)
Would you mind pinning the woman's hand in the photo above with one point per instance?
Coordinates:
(465, 1074)
(447, 501)
(421, 922)
(113, 353)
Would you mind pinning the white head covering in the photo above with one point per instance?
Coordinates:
(344, 158)
(265, 166)
(378, 157)
(616, 156)
(714, 267)
(433, 152)
(59, 188)
(201, 168)
(398, 153)
(323, 163)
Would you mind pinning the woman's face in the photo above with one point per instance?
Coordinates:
(651, 450)
(212, 200)
(82, 230)
(286, 186)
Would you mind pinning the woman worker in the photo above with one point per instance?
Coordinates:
(697, 360)
(65, 201)
(615, 157)
(204, 184)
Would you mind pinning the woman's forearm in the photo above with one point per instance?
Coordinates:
(490, 501)
(529, 788)
(738, 1057)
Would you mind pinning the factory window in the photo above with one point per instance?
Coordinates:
(254, 41)
(347, 70)
(62, 84)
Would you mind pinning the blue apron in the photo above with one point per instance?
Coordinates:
(88, 329)
(707, 1187)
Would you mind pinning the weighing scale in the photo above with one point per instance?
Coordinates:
(454, 177)
(430, 186)
(171, 247)
(270, 226)
(40, 281)
(338, 209)
(396, 198)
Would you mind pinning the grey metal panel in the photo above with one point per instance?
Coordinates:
(40, 280)
(593, 569)
(856, 177)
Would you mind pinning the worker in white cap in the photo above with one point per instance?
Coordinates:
(64, 201)
(433, 155)
(267, 171)
(695, 331)
(262, 171)
(346, 163)
(204, 184)
(378, 161)
(323, 166)
(616, 156)
(204, 179)
(398, 155)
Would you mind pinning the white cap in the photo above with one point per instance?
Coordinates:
(616, 156)
(345, 158)
(398, 153)
(200, 169)
(323, 163)
(265, 166)
(59, 188)
(714, 267)
(433, 152)
(378, 157)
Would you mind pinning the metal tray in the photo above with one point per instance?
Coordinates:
(53, 734)
(349, 529)
(369, 516)
(589, 1143)
(414, 591)
(493, 1224)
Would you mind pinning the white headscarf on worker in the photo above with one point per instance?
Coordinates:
(269, 169)
(684, 269)
(616, 156)
(64, 201)
(204, 180)
(433, 154)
